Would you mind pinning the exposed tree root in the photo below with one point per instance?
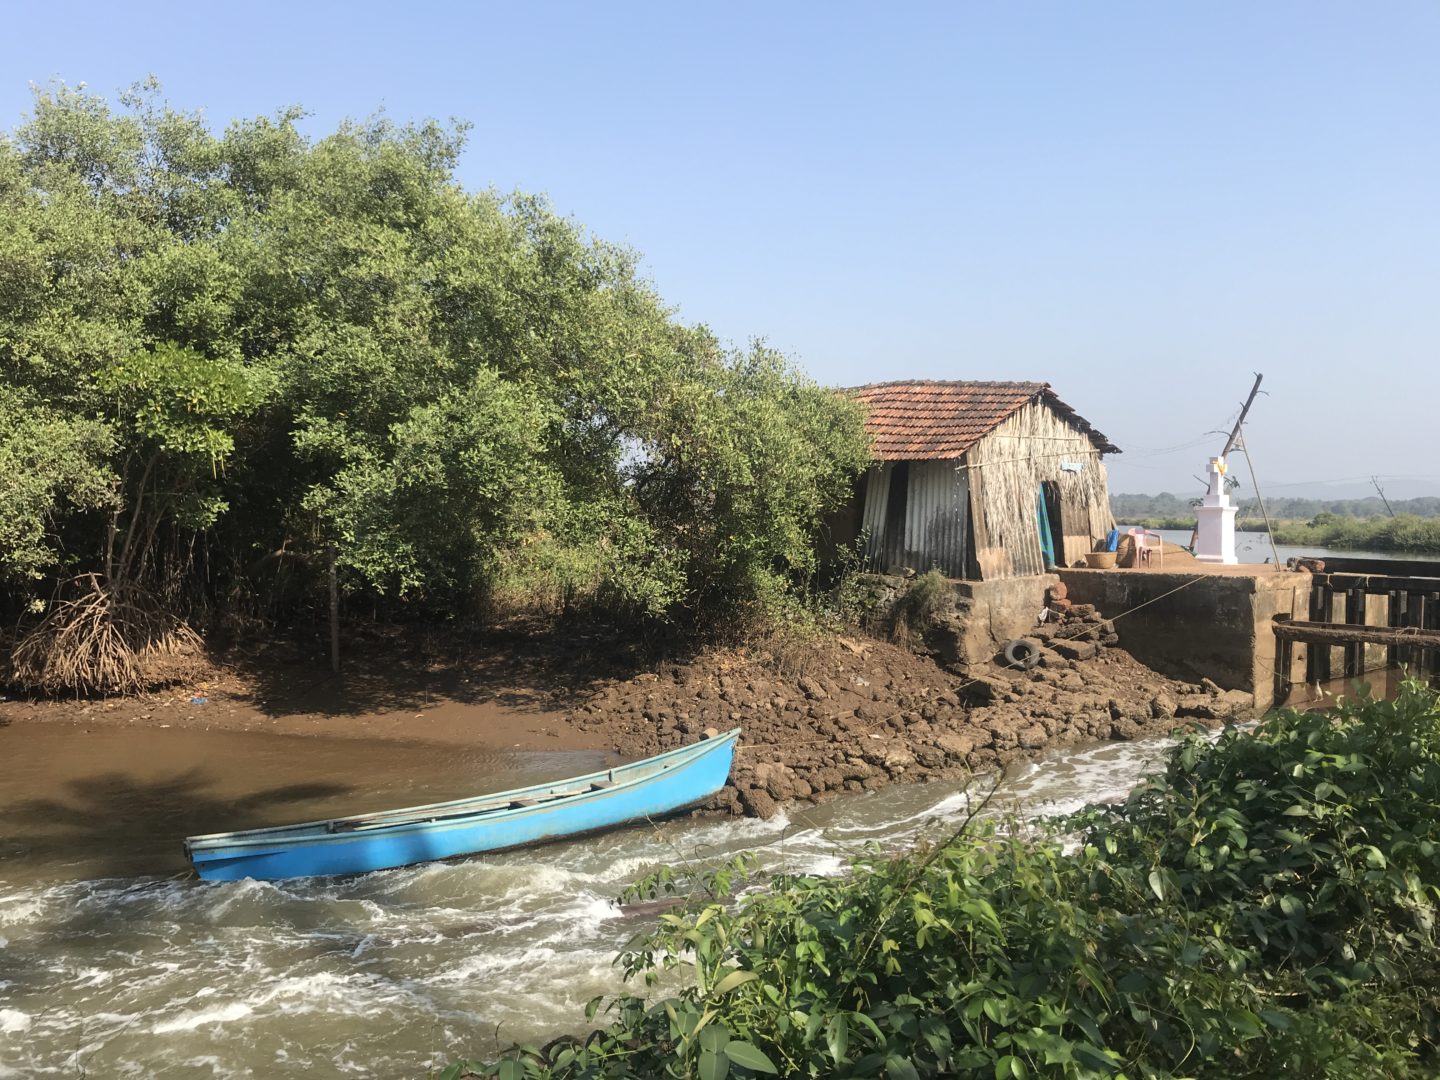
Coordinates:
(103, 639)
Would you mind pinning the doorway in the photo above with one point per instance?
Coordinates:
(1050, 523)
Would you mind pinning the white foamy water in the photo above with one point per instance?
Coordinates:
(396, 973)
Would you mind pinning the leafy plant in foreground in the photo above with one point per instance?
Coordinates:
(1264, 908)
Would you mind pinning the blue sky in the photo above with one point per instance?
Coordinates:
(1141, 204)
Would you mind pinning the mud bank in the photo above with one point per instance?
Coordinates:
(502, 690)
(851, 713)
(866, 713)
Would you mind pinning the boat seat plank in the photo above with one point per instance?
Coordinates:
(385, 821)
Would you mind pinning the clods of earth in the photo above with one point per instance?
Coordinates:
(863, 713)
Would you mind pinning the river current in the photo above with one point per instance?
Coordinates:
(112, 964)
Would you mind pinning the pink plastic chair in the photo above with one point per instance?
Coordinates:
(1147, 544)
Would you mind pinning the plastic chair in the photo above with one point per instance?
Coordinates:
(1147, 545)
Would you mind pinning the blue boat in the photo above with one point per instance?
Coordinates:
(639, 791)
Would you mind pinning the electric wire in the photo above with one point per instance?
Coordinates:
(1259, 498)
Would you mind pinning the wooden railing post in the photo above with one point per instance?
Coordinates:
(1284, 661)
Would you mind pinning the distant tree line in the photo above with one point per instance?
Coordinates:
(236, 367)
(1165, 505)
(1402, 533)
(1409, 530)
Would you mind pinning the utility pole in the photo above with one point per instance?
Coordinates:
(1376, 481)
(1244, 411)
(1215, 520)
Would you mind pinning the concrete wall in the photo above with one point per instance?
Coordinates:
(999, 612)
(1276, 594)
(1191, 626)
(986, 616)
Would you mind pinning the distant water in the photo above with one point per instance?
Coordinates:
(1252, 547)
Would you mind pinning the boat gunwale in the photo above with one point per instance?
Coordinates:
(214, 844)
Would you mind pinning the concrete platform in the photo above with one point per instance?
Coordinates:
(1199, 620)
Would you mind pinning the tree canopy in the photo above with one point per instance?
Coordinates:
(225, 354)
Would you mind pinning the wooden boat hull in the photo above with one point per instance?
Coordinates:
(584, 804)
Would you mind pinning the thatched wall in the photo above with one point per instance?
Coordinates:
(1006, 470)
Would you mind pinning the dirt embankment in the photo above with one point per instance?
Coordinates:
(848, 714)
(499, 688)
(867, 713)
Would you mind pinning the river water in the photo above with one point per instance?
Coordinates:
(1254, 547)
(115, 963)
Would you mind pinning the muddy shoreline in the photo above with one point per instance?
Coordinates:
(504, 691)
(846, 714)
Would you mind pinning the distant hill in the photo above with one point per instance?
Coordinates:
(1166, 505)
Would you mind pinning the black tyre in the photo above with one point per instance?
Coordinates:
(1023, 653)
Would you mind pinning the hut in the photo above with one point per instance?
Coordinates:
(980, 480)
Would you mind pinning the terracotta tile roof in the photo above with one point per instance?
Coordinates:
(927, 420)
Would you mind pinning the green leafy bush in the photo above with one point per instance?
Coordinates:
(298, 347)
(1264, 908)
(1401, 533)
(929, 595)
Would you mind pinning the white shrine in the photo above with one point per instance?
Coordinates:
(1215, 530)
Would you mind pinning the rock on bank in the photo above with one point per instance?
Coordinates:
(860, 713)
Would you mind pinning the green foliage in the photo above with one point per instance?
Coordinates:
(303, 344)
(1285, 830)
(1264, 908)
(49, 465)
(929, 595)
(180, 400)
(1402, 533)
(459, 478)
(1167, 522)
(745, 457)
(1338, 524)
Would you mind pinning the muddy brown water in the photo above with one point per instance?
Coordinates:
(109, 802)
(115, 962)
(1381, 683)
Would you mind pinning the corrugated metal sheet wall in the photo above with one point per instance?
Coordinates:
(877, 495)
(936, 511)
(937, 508)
